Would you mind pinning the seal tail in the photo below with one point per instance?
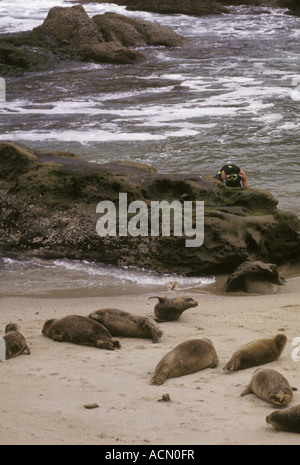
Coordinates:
(161, 299)
(280, 399)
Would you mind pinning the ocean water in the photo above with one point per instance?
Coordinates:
(231, 94)
(22, 276)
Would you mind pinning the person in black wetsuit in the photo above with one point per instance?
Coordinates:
(232, 176)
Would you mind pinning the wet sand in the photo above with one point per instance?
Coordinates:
(43, 394)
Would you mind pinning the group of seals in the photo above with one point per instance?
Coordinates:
(197, 354)
(99, 327)
(15, 342)
(266, 383)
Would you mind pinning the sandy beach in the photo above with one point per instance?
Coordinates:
(43, 394)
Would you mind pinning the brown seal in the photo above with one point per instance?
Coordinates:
(286, 420)
(188, 357)
(79, 329)
(15, 341)
(123, 324)
(171, 309)
(257, 352)
(270, 385)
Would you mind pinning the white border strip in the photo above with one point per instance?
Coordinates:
(2, 350)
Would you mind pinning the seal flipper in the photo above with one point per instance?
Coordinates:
(152, 329)
(246, 391)
(116, 344)
(26, 350)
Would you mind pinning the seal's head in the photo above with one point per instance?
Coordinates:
(183, 303)
(47, 326)
(12, 327)
(280, 341)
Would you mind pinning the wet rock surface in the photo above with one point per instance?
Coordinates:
(255, 276)
(48, 209)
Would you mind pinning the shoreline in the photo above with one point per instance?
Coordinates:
(47, 390)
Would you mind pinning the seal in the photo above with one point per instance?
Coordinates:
(171, 309)
(15, 342)
(271, 386)
(256, 353)
(81, 330)
(188, 357)
(124, 324)
(286, 420)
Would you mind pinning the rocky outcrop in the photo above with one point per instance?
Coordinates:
(188, 7)
(255, 276)
(69, 33)
(48, 209)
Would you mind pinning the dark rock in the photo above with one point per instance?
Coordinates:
(91, 406)
(135, 32)
(48, 209)
(69, 26)
(15, 61)
(255, 276)
(70, 34)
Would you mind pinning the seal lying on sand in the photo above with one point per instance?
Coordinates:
(257, 352)
(124, 324)
(15, 341)
(171, 309)
(270, 385)
(286, 420)
(80, 330)
(188, 357)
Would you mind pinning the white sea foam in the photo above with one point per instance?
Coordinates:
(80, 136)
(42, 276)
(130, 274)
(18, 16)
